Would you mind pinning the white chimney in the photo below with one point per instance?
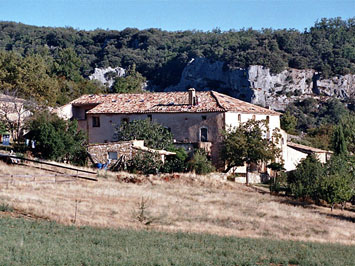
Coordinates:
(192, 96)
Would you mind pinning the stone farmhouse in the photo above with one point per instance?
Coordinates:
(195, 119)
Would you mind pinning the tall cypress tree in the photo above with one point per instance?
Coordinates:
(339, 142)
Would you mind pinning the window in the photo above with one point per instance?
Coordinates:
(204, 117)
(239, 118)
(267, 119)
(112, 155)
(150, 117)
(96, 121)
(254, 117)
(203, 135)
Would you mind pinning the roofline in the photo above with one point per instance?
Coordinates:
(305, 147)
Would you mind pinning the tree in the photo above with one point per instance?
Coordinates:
(67, 64)
(57, 139)
(132, 82)
(200, 163)
(14, 112)
(338, 141)
(338, 183)
(246, 144)
(304, 181)
(154, 135)
(288, 122)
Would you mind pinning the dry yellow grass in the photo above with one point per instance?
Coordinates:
(191, 204)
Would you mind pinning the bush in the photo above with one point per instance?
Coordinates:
(175, 163)
(145, 163)
(200, 163)
(303, 182)
(57, 139)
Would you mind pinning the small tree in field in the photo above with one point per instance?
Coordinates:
(247, 144)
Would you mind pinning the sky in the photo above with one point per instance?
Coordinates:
(174, 15)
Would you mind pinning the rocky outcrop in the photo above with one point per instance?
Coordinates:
(258, 85)
(107, 75)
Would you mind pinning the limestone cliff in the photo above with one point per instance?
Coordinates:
(107, 75)
(257, 85)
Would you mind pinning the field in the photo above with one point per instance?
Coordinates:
(30, 242)
(180, 203)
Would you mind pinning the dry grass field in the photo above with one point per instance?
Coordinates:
(200, 204)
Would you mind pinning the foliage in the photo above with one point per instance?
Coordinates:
(338, 141)
(303, 182)
(348, 127)
(57, 139)
(132, 82)
(160, 56)
(321, 121)
(145, 163)
(200, 163)
(4, 207)
(338, 184)
(34, 77)
(333, 182)
(176, 163)
(30, 242)
(247, 144)
(3, 128)
(154, 135)
(288, 123)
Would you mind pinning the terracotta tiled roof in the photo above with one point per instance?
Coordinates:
(232, 104)
(306, 148)
(167, 102)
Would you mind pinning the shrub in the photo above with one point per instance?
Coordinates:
(4, 207)
(145, 163)
(175, 163)
(57, 139)
(200, 163)
(303, 182)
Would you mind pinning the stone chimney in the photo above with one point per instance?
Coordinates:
(192, 96)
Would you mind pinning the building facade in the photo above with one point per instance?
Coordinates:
(194, 118)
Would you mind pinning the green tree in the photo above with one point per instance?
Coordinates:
(338, 141)
(175, 163)
(288, 122)
(154, 135)
(304, 181)
(338, 184)
(246, 144)
(67, 64)
(145, 163)
(200, 163)
(132, 82)
(57, 139)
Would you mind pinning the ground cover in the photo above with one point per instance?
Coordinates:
(173, 203)
(34, 242)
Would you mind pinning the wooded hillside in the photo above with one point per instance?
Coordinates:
(160, 56)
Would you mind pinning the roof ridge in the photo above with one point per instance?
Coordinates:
(217, 101)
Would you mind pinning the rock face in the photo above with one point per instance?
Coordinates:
(107, 75)
(257, 85)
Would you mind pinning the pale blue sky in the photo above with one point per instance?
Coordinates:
(175, 15)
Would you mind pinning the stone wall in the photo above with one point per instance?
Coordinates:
(99, 152)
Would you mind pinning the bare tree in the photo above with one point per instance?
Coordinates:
(14, 112)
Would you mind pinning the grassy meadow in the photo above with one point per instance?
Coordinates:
(162, 220)
(29, 242)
